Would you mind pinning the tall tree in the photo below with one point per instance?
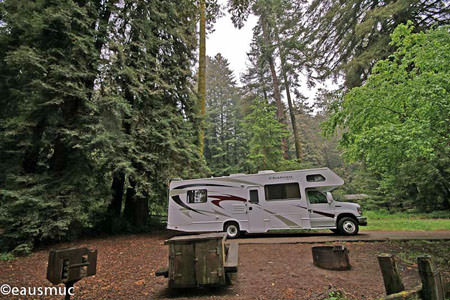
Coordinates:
(266, 134)
(49, 56)
(150, 75)
(99, 96)
(202, 71)
(264, 9)
(348, 37)
(397, 123)
(225, 147)
(256, 78)
(209, 11)
(288, 33)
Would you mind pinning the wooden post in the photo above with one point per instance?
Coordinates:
(392, 281)
(432, 288)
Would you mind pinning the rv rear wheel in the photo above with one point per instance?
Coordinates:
(232, 230)
(348, 226)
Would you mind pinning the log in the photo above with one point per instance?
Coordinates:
(432, 287)
(405, 295)
(392, 281)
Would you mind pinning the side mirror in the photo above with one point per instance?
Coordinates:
(329, 197)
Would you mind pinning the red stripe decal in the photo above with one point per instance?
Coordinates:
(226, 198)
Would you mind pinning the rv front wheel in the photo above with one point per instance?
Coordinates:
(348, 226)
(232, 230)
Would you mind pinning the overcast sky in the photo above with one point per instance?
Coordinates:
(234, 44)
(231, 42)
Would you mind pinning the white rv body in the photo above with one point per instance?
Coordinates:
(260, 202)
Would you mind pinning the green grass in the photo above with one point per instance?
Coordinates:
(336, 296)
(383, 220)
(6, 256)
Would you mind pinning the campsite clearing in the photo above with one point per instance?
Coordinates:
(126, 267)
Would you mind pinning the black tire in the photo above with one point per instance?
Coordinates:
(348, 226)
(232, 230)
(336, 231)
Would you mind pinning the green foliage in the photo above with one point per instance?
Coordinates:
(49, 182)
(348, 37)
(265, 136)
(97, 114)
(225, 138)
(336, 296)
(398, 122)
(6, 256)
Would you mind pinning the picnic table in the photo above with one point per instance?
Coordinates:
(200, 260)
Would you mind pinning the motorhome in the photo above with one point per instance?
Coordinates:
(257, 203)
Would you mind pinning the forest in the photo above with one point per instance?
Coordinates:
(103, 102)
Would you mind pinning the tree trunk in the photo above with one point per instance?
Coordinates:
(115, 207)
(298, 145)
(276, 88)
(202, 73)
(136, 209)
(391, 277)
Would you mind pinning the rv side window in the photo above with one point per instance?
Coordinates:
(316, 197)
(315, 178)
(254, 198)
(282, 191)
(197, 196)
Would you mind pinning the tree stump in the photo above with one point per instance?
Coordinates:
(392, 281)
(432, 287)
(331, 257)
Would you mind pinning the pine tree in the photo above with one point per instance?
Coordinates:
(98, 113)
(266, 133)
(225, 148)
(151, 76)
(49, 52)
(257, 78)
(349, 37)
(278, 35)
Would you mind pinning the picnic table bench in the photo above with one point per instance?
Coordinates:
(200, 260)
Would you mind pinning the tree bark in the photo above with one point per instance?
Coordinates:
(432, 287)
(391, 277)
(136, 209)
(115, 207)
(298, 145)
(276, 87)
(202, 73)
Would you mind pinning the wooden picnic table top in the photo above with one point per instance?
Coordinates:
(197, 237)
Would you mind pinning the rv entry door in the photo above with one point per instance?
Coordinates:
(255, 212)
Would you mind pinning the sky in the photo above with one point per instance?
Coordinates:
(234, 44)
(231, 42)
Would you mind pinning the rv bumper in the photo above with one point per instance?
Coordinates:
(362, 221)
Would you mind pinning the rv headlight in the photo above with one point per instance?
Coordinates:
(359, 210)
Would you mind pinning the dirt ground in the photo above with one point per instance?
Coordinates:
(126, 267)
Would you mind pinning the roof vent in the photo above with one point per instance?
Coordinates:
(237, 174)
(266, 172)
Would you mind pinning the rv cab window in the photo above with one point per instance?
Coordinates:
(315, 178)
(254, 198)
(282, 191)
(316, 197)
(197, 196)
